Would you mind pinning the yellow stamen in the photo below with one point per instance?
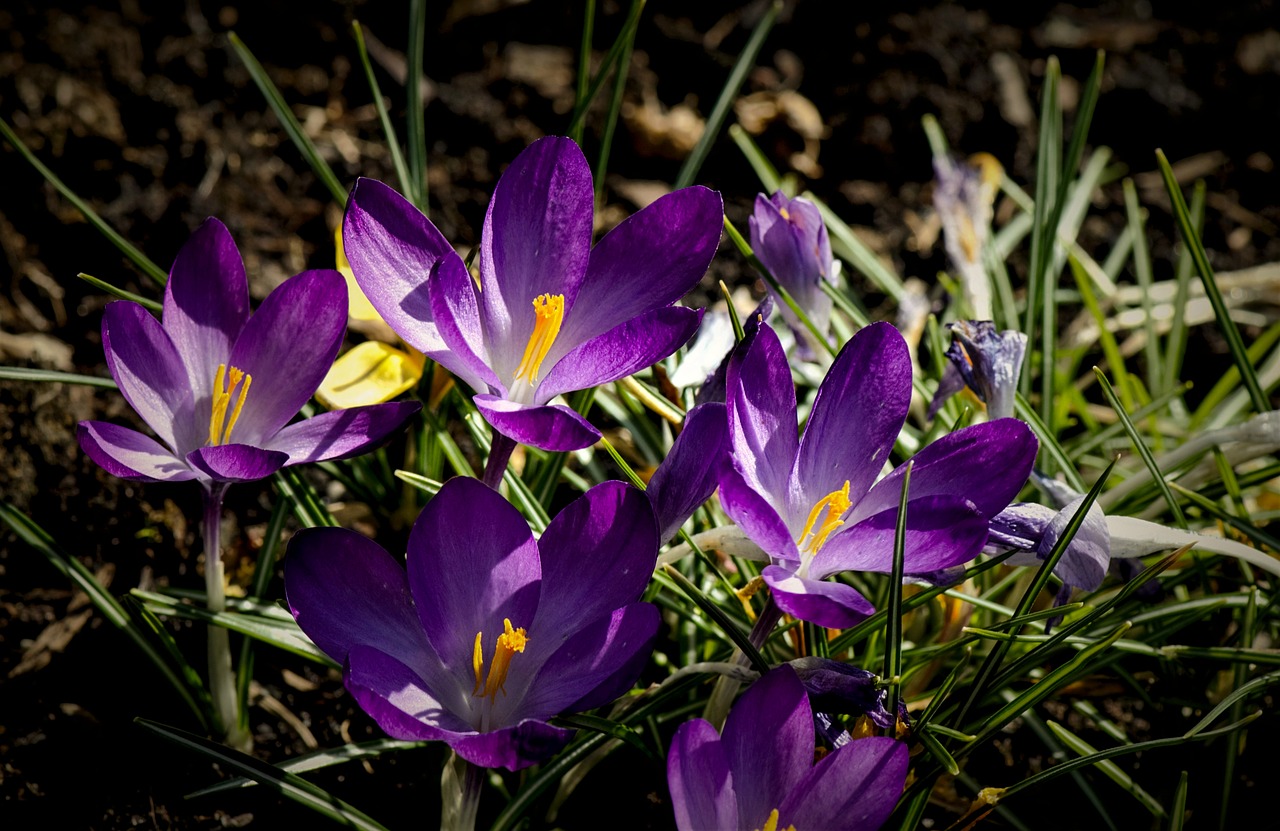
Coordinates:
(477, 663)
(835, 505)
(224, 384)
(785, 214)
(509, 643)
(771, 824)
(549, 314)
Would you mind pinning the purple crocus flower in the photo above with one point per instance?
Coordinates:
(813, 504)
(791, 241)
(550, 314)
(1033, 530)
(218, 386)
(985, 360)
(690, 473)
(760, 774)
(490, 633)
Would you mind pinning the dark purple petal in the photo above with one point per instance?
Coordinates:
(457, 315)
(762, 417)
(699, 779)
(206, 303)
(860, 407)
(397, 698)
(393, 249)
(1021, 525)
(130, 455)
(649, 261)
(550, 427)
(596, 555)
(593, 666)
(625, 350)
(833, 605)
(536, 240)
(837, 687)
(1084, 564)
(151, 374)
(287, 348)
(852, 789)
(345, 590)
(513, 748)
(472, 563)
(236, 462)
(942, 531)
(691, 471)
(713, 389)
(986, 463)
(755, 515)
(341, 434)
(950, 384)
(768, 742)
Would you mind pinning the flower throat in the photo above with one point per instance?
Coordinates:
(225, 385)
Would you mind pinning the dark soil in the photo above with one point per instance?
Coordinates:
(144, 110)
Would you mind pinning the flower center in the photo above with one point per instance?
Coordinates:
(224, 386)
(771, 824)
(509, 643)
(548, 310)
(829, 509)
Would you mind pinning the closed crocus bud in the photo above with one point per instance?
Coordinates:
(789, 238)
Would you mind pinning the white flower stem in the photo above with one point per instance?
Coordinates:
(222, 677)
(460, 785)
(727, 686)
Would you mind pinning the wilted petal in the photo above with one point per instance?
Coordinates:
(834, 605)
(768, 742)
(130, 455)
(206, 303)
(342, 434)
(549, 427)
(699, 779)
(941, 531)
(648, 261)
(1020, 525)
(465, 582)
(854, 788)
(837, 687)
(513, 748)
(624, 350)
(287, 348)
(536, 240)
(691, 471)
(856, 416)
(393, 249)
(1084, 563)
(369, 373)
(150, 373)
(236, 462)
(995, 363)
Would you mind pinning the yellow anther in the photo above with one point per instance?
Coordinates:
(224, 385)
(477, 663)
(510, 642)
(771, 824)
(785, 214)
(835, 504)
(991, 171)
(548, 312)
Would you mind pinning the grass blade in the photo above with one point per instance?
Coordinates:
(1141, 447)
(1111, 769)
(1038, 294)
(615, 106)
(102, 285)
(53, 376)
(611, 57)
(1176, 345)
(1142, 269)
(388, 130)
(414, 109)
(317, 760)
(893, 625)
(584, 60)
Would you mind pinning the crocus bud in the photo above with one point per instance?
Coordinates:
(789, 238)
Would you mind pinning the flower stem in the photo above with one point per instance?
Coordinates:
(500, 451)
(726, 688)
(222, 678)
(460, 786)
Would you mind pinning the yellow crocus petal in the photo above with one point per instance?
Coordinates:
(370, 373)
(358, 306)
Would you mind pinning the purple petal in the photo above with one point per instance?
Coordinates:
(457, 316)
(513, 748)
(986, 463)
(624, 350)
(856, 416)
(1021, 525)
(596, 665)
(649, 261)
(950, 384)
(130, 455)
(236, 462)
(854, 789)
(151, 374)
(942, 531)
(550, 427)
(699, 779)
(393, 249)
(713, 389)
(341, 434)
(597, 555)
(206, 303)
(762, 417)
(536, 240)
(287, 347)
(837, 687)
(1084, 564)
(691, 471)
(397, 698)
(768, 742)
(345, 590)
(757, 518)
(834, 605)
(472, 562)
